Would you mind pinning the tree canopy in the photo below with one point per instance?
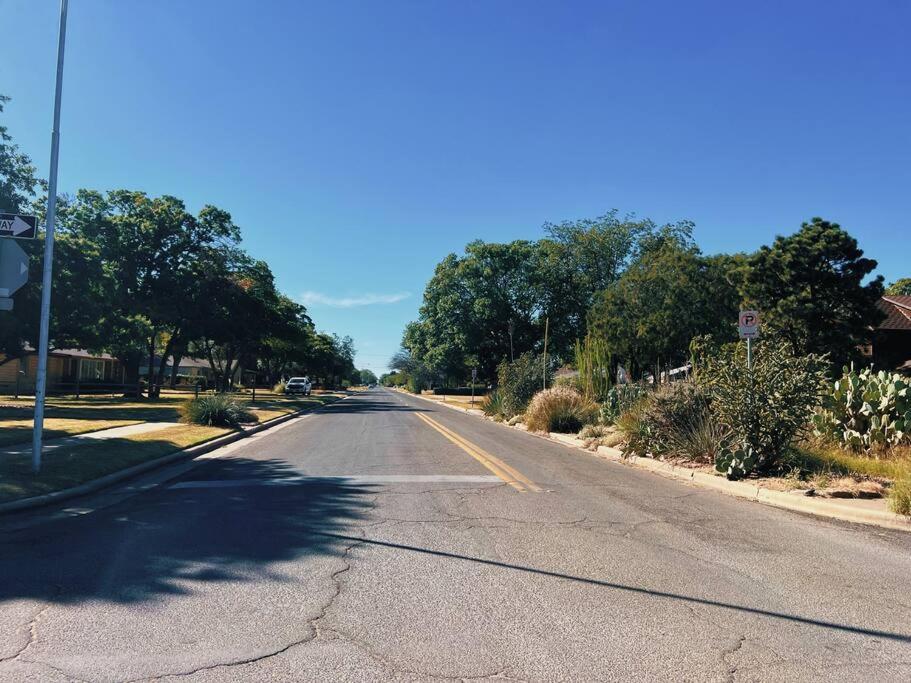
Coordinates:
(811, 289)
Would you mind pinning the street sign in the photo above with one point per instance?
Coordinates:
(748, 324)
(474, 374)
(13, 272)
(18, 226)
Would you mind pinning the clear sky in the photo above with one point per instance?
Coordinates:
(357, 143)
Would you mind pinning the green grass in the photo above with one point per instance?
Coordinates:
(73, 465)
(68, 416)
(76, 464)
(822, 458)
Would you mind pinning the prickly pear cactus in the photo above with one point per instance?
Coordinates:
(738, 462)
(865, 409)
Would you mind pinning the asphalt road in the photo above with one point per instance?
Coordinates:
(388, 538)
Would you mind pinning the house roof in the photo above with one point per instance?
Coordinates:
(898, 312)
(71, 353)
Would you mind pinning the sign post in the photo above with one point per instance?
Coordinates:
(474, 378)
(41, 379)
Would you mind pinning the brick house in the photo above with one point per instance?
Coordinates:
(65, 368)
(891, 342)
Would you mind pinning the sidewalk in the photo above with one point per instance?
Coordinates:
(79, 439)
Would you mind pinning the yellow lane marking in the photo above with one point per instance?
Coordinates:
(508, 474)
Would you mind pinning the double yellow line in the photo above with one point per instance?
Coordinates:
(511, 476)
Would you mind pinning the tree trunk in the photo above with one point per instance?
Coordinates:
(151, 388)
(162, 368)
(175, 365)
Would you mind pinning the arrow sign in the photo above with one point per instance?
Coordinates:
(18, 226)
(13, 269)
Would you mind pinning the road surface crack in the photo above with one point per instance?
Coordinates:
(729, 652)
(501, 673)
(312, 625)
(32, 627)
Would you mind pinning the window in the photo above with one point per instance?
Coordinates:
(91, 369)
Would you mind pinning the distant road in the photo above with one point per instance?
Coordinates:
(389, 538)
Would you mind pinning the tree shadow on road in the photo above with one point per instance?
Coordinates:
(366, 405)
(169, 541)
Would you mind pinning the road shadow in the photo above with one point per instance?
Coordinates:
(168, 541)
(369, 405)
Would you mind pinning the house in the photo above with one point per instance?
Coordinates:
(891, 339)
(66, 368)
(189, 367)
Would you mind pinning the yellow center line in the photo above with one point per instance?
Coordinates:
(508, 474)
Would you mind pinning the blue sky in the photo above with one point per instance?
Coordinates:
(357, 143)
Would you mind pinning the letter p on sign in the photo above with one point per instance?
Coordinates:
(748, 324)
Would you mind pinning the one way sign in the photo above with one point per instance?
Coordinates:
(18, 226)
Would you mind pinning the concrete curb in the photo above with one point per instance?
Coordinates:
(140, 468)
(822, 507)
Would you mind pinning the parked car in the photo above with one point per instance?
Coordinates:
(298, 385)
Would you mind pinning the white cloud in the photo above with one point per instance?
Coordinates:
(317, 298)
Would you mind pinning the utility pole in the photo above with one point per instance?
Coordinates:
(41, 380)
(512, 329)
(544, 365)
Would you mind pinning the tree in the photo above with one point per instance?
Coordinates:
(901, 287)
(809, 288)
(367, 376)
(493, 302)
(667, 296)
(17, 174)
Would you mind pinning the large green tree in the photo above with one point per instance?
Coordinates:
(667, 296)
(495, 300)
(814, 289)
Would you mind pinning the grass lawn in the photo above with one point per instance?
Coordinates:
(74, 465)
(68, 416)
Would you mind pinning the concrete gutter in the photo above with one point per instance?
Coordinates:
(140, 468)
(822, 507)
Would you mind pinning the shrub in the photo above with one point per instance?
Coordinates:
(493, 404)
(866, 409)
(415, 384)
(900, 497)
(635, 429)
(279, 388)
(559, 410)
(218, 410)
(619, 399)
(675, 420)
(596, 435)
(764, 409)
(520, 380)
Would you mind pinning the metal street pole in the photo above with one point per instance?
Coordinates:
(544, 364)
(41, 384)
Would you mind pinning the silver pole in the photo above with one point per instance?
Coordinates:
(41, 384)
(749, 355)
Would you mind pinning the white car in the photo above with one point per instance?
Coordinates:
(298, 385)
